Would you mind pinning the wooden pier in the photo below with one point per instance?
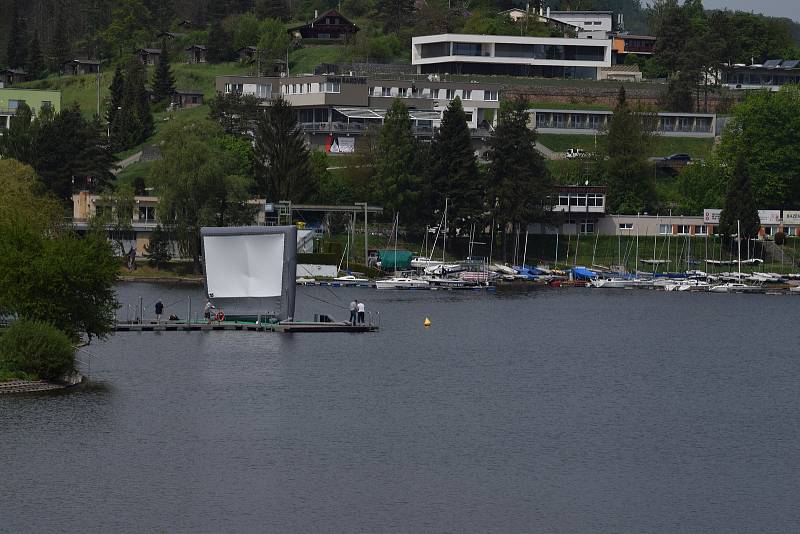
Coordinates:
(176, 326)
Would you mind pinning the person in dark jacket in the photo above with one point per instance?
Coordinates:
(159, 311)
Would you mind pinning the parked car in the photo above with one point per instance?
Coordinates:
(573, 153)
(678, 157)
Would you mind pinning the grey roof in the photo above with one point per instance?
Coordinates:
(198, 46)
(790, 64)
(150, 50)
(772, 63)
(84, 61)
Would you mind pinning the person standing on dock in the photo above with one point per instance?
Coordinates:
(353, 307)
(361, 312)
(159, 310)
(207, 313)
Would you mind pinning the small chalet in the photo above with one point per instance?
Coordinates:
(170, 36)
(187, 99)
(149, 56)
(79, 67)
(329, 25)
(247, 54)
(197, 53)
(9, 77)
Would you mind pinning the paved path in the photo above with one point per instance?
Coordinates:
(130, 160)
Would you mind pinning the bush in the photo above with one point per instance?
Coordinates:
(36, 348)
(780, 238)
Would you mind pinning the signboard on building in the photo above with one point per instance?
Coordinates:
(791, 217)
(769, 217)
(711, 216)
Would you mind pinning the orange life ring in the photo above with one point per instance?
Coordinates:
(220, 316)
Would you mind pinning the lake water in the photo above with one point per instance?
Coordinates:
(569, 410)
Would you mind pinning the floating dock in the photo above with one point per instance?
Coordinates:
(244, 327)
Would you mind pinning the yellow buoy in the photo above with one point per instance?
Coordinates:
(427, 322)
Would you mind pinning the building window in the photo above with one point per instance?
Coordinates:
(386, 91)
(466, 49)
(374, 91)
(467, 94)
(595, 200)
(700, 229)
(563, 200)
(264, 90)
(402, 92)
(626, 226)
(490, 96)
(233, 88)
(46, 104)
(468, 116)
(664, 229)
(147, 213)
(587, 226)
(451, 94)
(331, 87)
(683, 229)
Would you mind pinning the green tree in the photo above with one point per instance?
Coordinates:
(740, 205)
(282, 156)
(163, 81)
(116, 92)
(236, 113)
(395, 14)
(628, 175)
(69, 148)
(197, 186)
(273, 9)
(19, 141)
(59, 49)
(245, 30)
(764, 130)
(519, 183)
(68, 281)
(159, 251)
(397, 184)
(219, 43)
(453, 169)
(35, 63)
(17, 52)
(274, 42)
(36, 349)
(133, 121)
(23, 199)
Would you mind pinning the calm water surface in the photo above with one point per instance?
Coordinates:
(551, 411)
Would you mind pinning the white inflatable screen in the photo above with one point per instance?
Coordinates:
(244, 265)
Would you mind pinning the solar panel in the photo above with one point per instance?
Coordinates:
(771, 63)
(790, 64)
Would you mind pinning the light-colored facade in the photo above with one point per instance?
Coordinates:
(548, 57)
(592, 24)
(10, 100)
(331, 108)
(589, 122)
(771, 75)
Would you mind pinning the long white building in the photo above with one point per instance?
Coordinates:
(547, 57)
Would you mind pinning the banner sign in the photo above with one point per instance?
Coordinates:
(769, 216)
(791, 217)
(340, 145)
(711, 216)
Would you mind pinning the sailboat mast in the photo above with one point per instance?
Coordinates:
(636, 266)
(655, 246)
(555, 264)
(739, 246)
(444, 242)
(525, 249)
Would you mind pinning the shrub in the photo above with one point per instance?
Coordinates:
(36, 348)
(780, 238)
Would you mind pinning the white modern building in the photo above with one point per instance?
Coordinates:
(591, 24)
(547, 57)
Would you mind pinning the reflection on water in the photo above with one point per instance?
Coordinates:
(568, 410)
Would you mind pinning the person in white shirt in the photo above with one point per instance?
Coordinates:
(353, 311)
(361, 308)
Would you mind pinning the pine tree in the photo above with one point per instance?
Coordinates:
(453, 170)
(159, 251)
(17, 53)
(35, 63)
(219, 43)
(396, 14)
(397, 185)
(59, 49)
(740, 203)
(163, 80)
(271, 9)
(116, 91)
(133, 122)
(519, 182)
(628, 176)
(282, 157)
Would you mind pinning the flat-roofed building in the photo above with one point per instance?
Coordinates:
(36, 99)
(577, 121)
(770, 75)
(331, 108)
(590, 24)
(547, 57)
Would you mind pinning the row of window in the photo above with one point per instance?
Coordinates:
(530, 51)
(666, 229)
(588, 199)
(424, 92)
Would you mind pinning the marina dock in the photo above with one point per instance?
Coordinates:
(244, 327)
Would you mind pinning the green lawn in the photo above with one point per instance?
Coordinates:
(303, 60)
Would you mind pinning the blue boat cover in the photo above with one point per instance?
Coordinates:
(582, 273)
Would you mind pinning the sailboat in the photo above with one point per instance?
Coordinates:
(400, 282)
(737, 287)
